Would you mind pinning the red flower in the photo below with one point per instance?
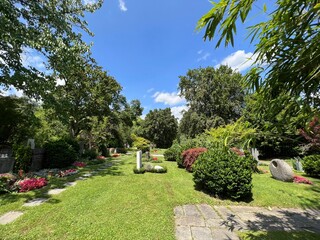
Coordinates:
(79, 164)
(154, 159)
(101, 157)
(299, 179)
(32, 183)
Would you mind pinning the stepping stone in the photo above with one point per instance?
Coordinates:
(56, 191)
(81, 178)
(70, 184)
(35, 202)
(87, 175)
(201, 233)
(183, 233)
(9, 217)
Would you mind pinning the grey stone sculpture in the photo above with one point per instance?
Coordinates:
(280, 170)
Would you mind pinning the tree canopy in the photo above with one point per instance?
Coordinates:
(47, 27)
(214, 96)
(160, 127)
(287, 53)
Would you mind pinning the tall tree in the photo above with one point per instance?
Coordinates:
(160, 127)
(287, 50)
(47, 27)
(214, 96)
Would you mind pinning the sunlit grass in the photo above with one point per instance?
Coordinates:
(117, 204)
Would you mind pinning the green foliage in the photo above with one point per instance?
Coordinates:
(160, 127)
(215, 97)
(7, 181)
(174, 152)
(238, 134)
(90, 153)
(141, 143)
(23, 157)
(223, 173)
(51, 29)
(141, 170)
(311, 165)
(288, 59)
(59, 154)
(17, 119)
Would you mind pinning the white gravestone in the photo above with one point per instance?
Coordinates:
(139, 159)
(31, 143)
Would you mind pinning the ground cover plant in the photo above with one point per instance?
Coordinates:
(118, 204)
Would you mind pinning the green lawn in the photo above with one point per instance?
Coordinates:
(117, 204)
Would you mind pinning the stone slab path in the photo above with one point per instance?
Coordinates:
(220, 222)
(10, 217)
(35, 202)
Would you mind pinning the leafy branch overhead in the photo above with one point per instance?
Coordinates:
(287, 49)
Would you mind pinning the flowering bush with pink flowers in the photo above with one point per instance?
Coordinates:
(79, 164)
(299, 179)
(68, 172)
(31, 183)
(101, 157)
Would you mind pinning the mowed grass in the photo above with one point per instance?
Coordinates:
(117, 204)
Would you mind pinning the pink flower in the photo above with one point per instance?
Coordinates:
(154, 159)
(79, 164)
(32, 183)
(101, 157)
(299, 179)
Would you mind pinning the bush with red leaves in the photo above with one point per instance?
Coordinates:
(190, 156)
(299, 179)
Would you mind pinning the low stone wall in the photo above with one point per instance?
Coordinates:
(37, 159)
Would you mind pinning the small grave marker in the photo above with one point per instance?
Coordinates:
(139, 161)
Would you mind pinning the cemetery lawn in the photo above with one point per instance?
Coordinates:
(117, 204)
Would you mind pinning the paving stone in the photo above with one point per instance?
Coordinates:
(81, 178)
(178, 211)
(10, 217)
(224, 211)
(35, 202)
(70, 184)
(190, 221)
(56, 191)
(201, 233)
(207, 211)
(215, 222)
(224, 234)
(87, 175)
(183, 233)
(191, 210)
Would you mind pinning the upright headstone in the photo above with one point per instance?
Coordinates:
(31, 143)
(255, 153)
(139, 159)
(297, 162)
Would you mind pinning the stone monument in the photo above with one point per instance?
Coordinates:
(139, 159)
(280, 170)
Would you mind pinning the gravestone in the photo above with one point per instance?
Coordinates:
(37, 159)
(255, 153)
(280, 170)
(139, 159)
(297, 162)
(6, 160)
(31, 143)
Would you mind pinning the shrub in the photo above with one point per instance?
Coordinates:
(31, 183)
(139, 171)
(173, 153)
(73, 143)
(23, 157)
(79, 164)
(190, 156)
(223, 173)
(122, 150)
(141, 143)
(7, 181)
(90, 153)
(59, 154)
(311, 165)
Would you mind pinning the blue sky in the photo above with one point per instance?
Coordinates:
(146, 45)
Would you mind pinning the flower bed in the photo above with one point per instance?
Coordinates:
(79, 164)
(31, 183)
(299, 179)
(68, 172)
(101, 157)
(115, 155)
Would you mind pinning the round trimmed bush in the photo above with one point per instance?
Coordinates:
(223, 173)
(141, 170)
(59, 154)
(311, 165)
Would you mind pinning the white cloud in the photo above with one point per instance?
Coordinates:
(239, 60)
(150, 90)
(12, 91)
(178, 111)
(168, 98)
(122, 6)
(203, 57)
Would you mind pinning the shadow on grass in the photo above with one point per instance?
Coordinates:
(279, 236)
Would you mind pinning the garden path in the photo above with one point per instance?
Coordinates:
(204, 222)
